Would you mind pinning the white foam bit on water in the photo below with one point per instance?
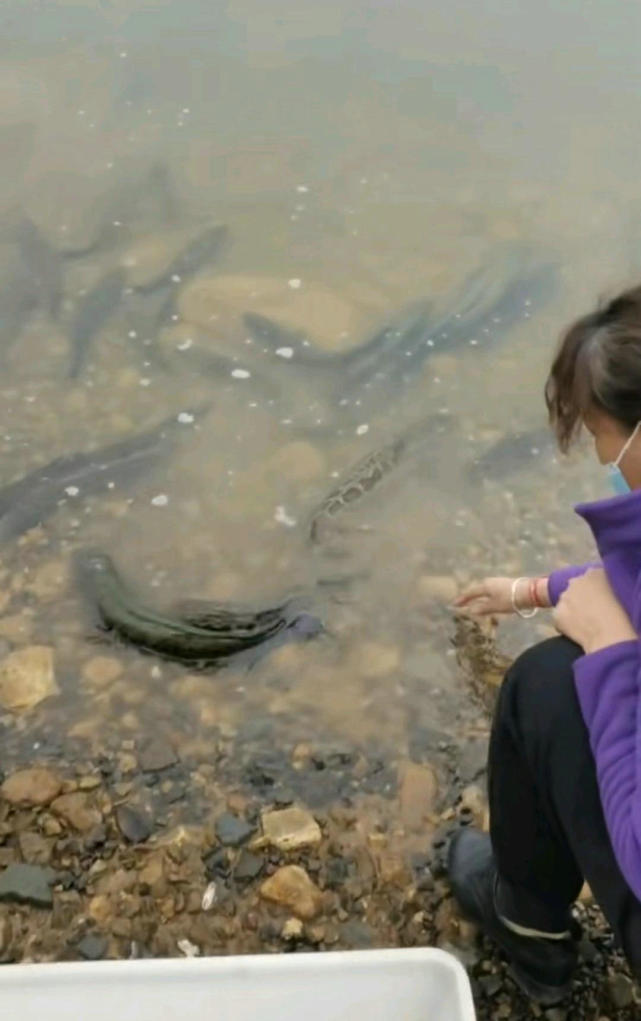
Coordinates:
(161, 500)
(72, 490)
(145, 381)
(185, 418)
(362, 429)
(302, 189)
(240, 373)
(209, 897)
(295, 283)
(185, 345)
(187, 948)
(285, 352)
(132, 334)
(283, 518)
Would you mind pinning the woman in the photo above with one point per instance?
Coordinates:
(564, 770)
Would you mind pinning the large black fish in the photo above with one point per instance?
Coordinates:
(511, 454)
(93, 311)
(491, 302)
(33, 498)
(205, 634)
(42, 262)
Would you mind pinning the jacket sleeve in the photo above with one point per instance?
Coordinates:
(558, 581)
(608, 683)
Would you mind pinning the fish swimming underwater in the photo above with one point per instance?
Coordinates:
(205, 634)
(33, 498)
(93, 311)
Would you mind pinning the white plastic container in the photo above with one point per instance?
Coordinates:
(372, 985)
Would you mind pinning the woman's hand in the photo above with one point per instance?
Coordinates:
(590, 614)
(494, 596)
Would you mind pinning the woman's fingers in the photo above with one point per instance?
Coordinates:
(476, 591)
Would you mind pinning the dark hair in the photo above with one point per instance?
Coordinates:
(598, 366)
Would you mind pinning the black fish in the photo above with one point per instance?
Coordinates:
(18, 294)
(92, 313)
(42, 262)
(29, 501)
(201, 251)
(489, 304)
(121, 611)
(275, 337)
(511, 454)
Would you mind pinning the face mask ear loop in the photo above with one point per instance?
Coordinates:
(627, 445)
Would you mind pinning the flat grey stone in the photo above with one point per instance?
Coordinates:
(232, 831)
(27, 884)
(155, 755)
(93, 947)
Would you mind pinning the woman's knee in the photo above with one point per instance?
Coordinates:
(540, 682)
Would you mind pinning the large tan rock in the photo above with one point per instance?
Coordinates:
(290, 828)
(31, 787)
(76, 810)
(418, 789)
(292, 888)
(27, 677)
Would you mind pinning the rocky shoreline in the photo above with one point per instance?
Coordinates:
(93, 865)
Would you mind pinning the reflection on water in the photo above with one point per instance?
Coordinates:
(330, 221)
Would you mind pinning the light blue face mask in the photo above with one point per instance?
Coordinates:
(617, 478)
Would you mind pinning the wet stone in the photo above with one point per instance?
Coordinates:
(156, 755)
(291, 887)
(27, 884)
(249, 867)
(291, 828)
(418, 789)
(93, 947)
(620, 990)
(35, 850)
(357, 934)
(490, 984)
(27, 678)
(32, 787)
(6, 932)
(232, 831)
(76, 811)
(134, 826)
(217, 863)
(101, 670)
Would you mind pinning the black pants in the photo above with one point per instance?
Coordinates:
(547, 825)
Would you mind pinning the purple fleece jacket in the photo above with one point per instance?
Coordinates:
(608, 682)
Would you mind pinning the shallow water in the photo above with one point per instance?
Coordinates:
(363, 157)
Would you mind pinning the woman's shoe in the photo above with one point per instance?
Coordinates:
(542, 967)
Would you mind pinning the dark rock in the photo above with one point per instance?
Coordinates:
(93, 947)
(66, 880)
(337, 871)
(133, 825)
(155, 755)
(35, 850)
(27, 884)
(217, 863)
(283, 796)
(249, 866)
(555, 1014)
(621, 990)
(490, 984)
(96, 838)
(232, 831)
(472, 762)
(357, 934)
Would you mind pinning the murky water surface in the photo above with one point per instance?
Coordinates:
(415, 198)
